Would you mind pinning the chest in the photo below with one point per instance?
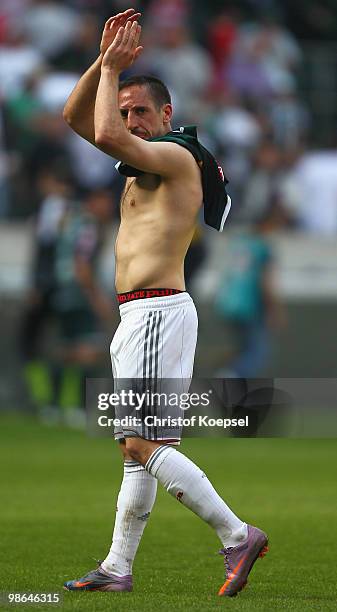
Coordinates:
(140, 191)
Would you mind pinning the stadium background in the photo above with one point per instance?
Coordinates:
(259, 78)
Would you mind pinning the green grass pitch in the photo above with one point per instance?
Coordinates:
(59, 491)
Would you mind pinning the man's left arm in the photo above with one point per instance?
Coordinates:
(111, 135)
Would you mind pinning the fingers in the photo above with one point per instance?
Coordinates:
(127, 30)
(137, 53)
(125, 48)
(121, 19)
(109, 23)
(135, 36)
(124, 15)
(134, 17)
(119, 37)
(131, 34)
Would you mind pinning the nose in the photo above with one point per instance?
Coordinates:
(131, 121)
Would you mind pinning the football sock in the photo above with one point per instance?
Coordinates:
(185, 481)
(134, 504)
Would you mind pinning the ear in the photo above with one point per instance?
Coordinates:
(167, 113)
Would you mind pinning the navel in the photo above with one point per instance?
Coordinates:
(132, 202)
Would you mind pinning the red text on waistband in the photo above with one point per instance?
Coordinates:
(142, 294)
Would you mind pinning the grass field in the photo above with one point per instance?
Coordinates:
(58, 497)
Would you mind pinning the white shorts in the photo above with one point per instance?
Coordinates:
(156, 339)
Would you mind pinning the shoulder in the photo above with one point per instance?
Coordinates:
(182, 144)
(167, 159)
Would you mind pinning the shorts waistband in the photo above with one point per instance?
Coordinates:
(145, 294)
(156, 303)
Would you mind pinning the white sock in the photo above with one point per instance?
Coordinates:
(185, 481)
(134, 504)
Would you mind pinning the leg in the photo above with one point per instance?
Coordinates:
(185, 481)
(243, 544)
(135, 502)
(254, 352)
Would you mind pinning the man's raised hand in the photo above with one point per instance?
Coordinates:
(112, 26)
(124, 49)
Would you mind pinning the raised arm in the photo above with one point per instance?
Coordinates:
(79, 109)
(111, 133)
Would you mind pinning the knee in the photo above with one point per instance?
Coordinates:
(133, 449)
(124, 451)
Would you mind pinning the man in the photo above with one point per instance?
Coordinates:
(247, 300)
(157, 335)
(82, 309)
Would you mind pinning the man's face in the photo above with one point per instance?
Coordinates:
(140, 114)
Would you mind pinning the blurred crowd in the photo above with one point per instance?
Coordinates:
(233, 69)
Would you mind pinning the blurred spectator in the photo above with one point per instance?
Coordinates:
(19, 60)
(263, 187)
(50, 26)
(11, 12)
(183, 65)
(45, 148)
(247, 300)
(23, 111)
(277, 49)
(4, 168)
(245, 74)
(82, 308)
(36, 132)
(171, 12)
(67, 292)
(237, 132)
(311, 192)
(78, 297)
(92, 168)
(53, 89)
(55, 191)
(264, 60)
(82, 49)
(235, 125)
(221, 36)
(290, 121)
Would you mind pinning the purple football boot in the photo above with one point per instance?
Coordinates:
(240, 559)
(100, 580)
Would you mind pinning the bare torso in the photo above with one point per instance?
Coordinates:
(158, 220)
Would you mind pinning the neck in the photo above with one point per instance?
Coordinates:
(166, 129)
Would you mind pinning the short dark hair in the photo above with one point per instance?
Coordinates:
(157, 89)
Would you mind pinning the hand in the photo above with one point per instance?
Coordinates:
(124, 49)
(112, 26)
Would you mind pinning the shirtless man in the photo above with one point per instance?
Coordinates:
(158, 330)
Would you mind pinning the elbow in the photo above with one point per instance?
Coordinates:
(67, 116)
(102, 140)
(107, 143)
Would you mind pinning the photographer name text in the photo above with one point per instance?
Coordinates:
(154, 421)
